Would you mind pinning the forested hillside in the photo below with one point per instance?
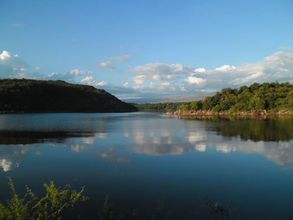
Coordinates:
(266, 96)
(23, 95)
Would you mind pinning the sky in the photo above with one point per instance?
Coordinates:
(148, 50)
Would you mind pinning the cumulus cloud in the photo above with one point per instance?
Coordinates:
(5, 55)
(175, 80)
(163, 81)
(200, 70)
(90, 80)
(168, 80)
(160, 76)
(70, 76)
(11, 66)
(138, 80)
(193, 80)
(225, 68)
(102, 83)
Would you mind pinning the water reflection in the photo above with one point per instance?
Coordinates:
(42, 128)
(280, 129)
(271, 137)
(113, 155)
(280, 152)
(115, 137)
(159, 141)
(31, 137)
(145, 157)
(11, 156)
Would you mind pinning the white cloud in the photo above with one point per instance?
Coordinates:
(193, 80)
(102, 83)
(225, 68)
(139, 80)
(160, 77)
(156, 77)
(90, 80)
(163, 81)
(72, 75)
(5, 55)
(200, 70)
(166, 79)
(12, 66)
(177, 80)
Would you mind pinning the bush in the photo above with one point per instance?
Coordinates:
(51, 206)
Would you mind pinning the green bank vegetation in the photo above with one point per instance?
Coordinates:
(159, 107)
(271, 97)
(59, 203)
(51, 206)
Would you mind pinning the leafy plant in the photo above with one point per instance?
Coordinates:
(51, 206)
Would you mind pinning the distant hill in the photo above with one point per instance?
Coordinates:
(28, 96)
(256, 97)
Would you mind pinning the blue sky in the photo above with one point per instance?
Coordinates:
(147, 50)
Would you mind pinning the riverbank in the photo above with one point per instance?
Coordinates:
(226, 114)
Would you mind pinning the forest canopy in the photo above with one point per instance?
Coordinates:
(266, 96)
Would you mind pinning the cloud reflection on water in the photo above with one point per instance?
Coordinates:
(200, 136)
(11, 156)
(155, 136)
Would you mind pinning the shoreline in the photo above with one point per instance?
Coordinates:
(242, 114)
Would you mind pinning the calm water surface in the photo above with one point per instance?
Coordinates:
(140, 159)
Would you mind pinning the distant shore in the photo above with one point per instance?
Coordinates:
(240, 114)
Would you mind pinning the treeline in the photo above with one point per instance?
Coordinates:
(159, 107)
(266, 96)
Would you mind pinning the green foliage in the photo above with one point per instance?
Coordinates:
(57, 202)
(158, 107)
(266, 96)
(51, 206)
